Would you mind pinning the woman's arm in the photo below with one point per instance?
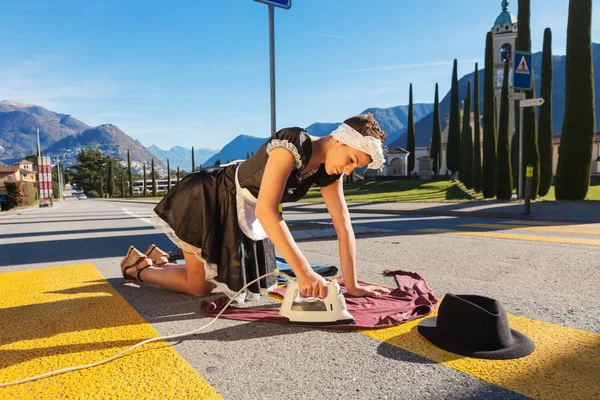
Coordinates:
(279, 167)
(338, 210)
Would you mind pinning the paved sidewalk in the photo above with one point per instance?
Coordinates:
(556, 211)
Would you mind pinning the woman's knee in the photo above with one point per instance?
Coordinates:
(200, 290)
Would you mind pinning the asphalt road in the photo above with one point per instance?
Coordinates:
(554, 281)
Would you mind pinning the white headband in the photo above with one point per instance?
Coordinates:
(367, 144)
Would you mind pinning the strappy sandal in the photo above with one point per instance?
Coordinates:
(133, 258)
(154, 253)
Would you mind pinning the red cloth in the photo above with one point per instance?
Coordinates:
(412, 299)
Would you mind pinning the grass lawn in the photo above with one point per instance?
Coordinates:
(396, 190)
(592, 194)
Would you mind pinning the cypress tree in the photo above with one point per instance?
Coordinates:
(504, 180)
(410, 133)
(453, 145)
(111, 179)
(122, 186)
(514, 150)
(145, 192)
(545, 132)
(153, 179)
(436, 136)
(130, 174)
(476, 136)
(101, 184)
(579, 125)
(489, 125)
(193, 161)
(178, 173)
(168, 176)
(531, 153)
(466, 143)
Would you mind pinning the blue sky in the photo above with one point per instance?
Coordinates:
(196, 73)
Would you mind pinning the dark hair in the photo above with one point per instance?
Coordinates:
(367, 126)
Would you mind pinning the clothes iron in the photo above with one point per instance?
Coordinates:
(314, 311)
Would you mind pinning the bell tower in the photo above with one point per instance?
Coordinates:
(504, 33)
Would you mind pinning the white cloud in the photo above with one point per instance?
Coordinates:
(408, 66)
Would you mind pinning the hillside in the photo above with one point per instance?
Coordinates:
(237, 149)
(107, 138)
(19, 124)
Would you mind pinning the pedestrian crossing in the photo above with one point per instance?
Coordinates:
(532, 231)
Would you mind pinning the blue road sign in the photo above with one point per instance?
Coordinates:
(523, 71)
(278, 3)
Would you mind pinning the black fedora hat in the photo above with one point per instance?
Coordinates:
(475, 326)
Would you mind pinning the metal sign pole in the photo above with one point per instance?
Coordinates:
(272, 58)
(520, 188)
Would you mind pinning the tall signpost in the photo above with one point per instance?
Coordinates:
(523, 80)
(285, 4)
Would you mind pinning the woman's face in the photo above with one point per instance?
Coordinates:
(344, 159)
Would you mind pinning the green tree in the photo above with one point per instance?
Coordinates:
(111, 179)
(217, 162)
(577, 137)
(410, 133)
(504, 177)
(531, 155)
(144, 189)
(168, 176)
(545, 130)
(178, 173)
(489, 126)
(466, 141)
(453, 145)
(153, 179)
(477, 182)
(90, 164)
(436, 136)
(101, 184)
(130, 174)
(193, 160)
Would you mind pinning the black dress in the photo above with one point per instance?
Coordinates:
(201, 211)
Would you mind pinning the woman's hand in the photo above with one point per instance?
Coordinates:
(311, 284)
(367, 291)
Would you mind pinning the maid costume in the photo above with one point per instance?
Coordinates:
(211, 214)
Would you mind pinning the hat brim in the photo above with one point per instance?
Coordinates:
(520, 346)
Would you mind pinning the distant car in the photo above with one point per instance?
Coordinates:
(82, 197)
(3, 201)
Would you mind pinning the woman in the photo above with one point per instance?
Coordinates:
(227, 221)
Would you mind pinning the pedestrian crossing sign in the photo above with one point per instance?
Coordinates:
(523, 71)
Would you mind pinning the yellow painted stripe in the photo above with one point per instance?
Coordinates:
(62, 317)
(531, 238)
(533, 223)
(564, 365)
(552, 229)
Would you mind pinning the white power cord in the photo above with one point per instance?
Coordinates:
(61, 371)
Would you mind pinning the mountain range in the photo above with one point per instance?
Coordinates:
(424, 127)
(61, 134)
(181, 157)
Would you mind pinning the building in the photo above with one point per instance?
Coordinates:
(161, 186)
(21, 171)
(423, 151)
(504, 36)
(595, 154)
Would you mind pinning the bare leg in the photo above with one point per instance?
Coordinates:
(187, 278)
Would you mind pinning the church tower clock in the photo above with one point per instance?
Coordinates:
(504, 33)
